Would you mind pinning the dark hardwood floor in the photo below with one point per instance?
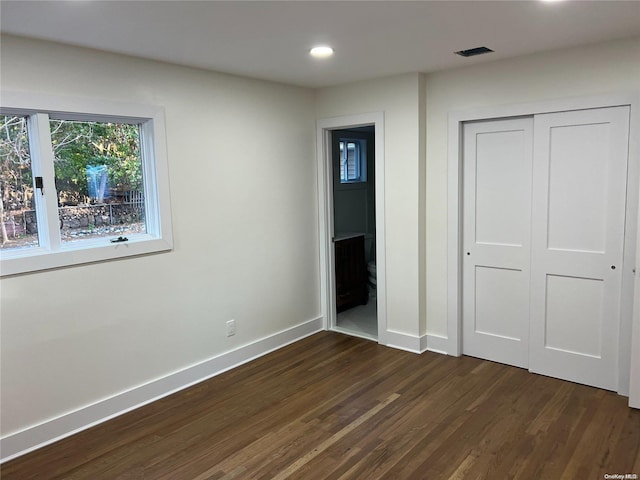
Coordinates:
(337, 407)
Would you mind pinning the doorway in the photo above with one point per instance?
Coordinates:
(362, 135)
(354, 226)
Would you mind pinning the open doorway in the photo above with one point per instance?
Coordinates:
(374, 123)
(354, 240)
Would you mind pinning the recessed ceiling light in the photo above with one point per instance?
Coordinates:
(321, 51)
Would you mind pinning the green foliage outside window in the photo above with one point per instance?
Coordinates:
(78, 145)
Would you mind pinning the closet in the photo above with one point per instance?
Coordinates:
(543, 238)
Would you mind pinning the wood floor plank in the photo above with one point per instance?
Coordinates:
(337, 407)
(294, 467)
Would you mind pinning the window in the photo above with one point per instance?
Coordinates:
(80, 185)
(98, 177)
(353, 160)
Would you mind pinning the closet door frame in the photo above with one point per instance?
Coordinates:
(630, 273)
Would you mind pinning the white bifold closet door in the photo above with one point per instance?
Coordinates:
(544, 217)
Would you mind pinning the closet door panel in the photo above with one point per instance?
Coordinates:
(497, 206)
(578, 215)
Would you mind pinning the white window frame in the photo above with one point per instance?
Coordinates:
(51, 252)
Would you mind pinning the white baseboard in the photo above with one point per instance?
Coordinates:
(411, 343)
(402, 341)
(434, 343)
(38, 436)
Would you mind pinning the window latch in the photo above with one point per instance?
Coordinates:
(119, 239)
(40, 185)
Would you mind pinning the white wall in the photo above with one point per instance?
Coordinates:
(398, 97)
(596, 69)
(244, 208)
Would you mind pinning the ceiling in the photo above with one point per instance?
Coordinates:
(270, 39)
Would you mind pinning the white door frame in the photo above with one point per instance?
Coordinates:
(324, 127)
(455, 214)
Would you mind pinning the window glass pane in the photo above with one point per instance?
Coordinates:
(343, 170)
(352, 161)
(17, 207)
(99, 180)
(353, 166)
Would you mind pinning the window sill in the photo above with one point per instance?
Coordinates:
(38, 258)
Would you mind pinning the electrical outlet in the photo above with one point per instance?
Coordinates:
(231, 328)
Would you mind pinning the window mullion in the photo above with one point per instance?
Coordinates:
(42, 164)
